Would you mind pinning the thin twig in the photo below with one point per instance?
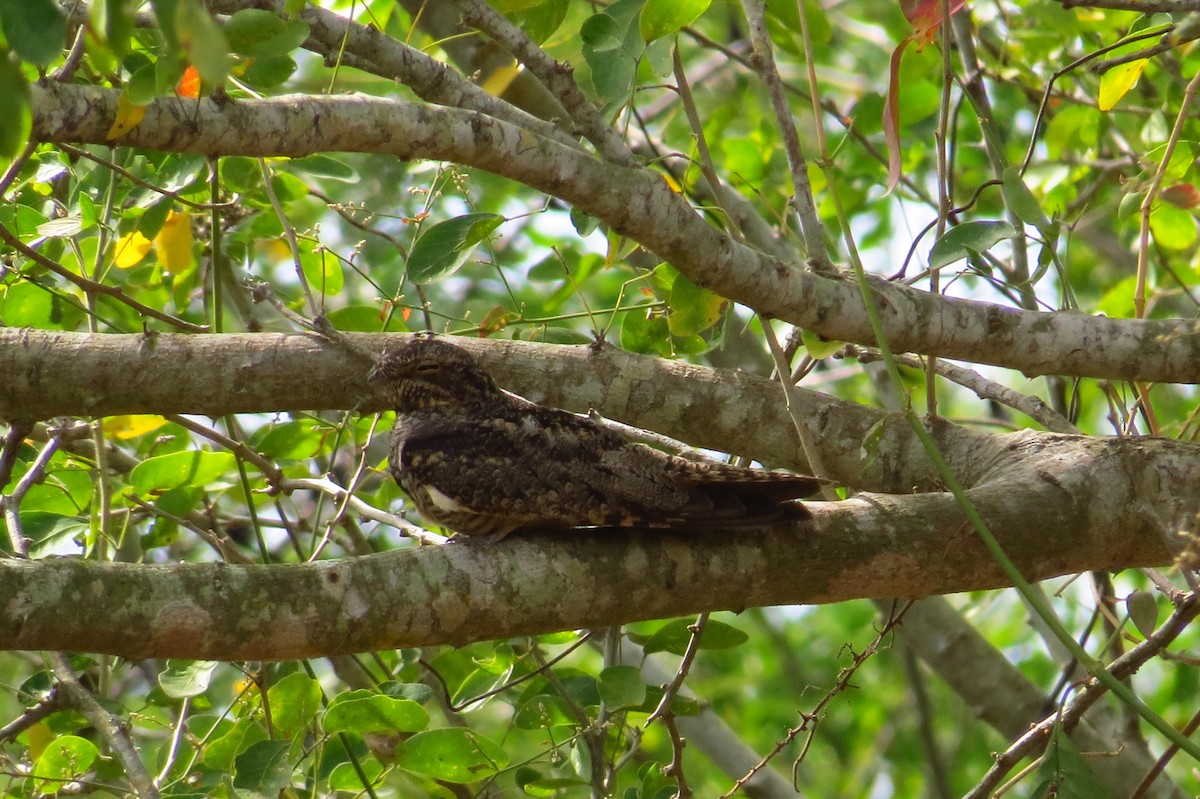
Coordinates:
(113, 730)
(555, 76)
(135, 180)
(763, 62)
(1031, 406)
(671, 690)
(91, 286)
(813, 718)
(12, 502)
(812, 452)
(1038, 736)
(717, 189)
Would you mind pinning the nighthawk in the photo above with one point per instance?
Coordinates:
(482, 461)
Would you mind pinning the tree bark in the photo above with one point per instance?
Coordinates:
(637, 203)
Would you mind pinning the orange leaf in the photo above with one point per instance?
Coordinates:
(189, 83)
(174, 243)
(129, 115)
(891, 116)
(496, 320)
(131, 249)
(925, 16)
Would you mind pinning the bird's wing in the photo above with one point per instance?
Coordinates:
(538, 470)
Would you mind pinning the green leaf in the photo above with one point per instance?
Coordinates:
(543, 712)
(269, 72)
(28, 304)
(357, 318)
(542, 18)
(417, 692)
(221, 753)
(674, 637)
(1118, 300)
(16, 106)
(293, 440)
(363, 711)
(323, 271)
(203, 42)
(63, 760)
(1143, 611)
(818, 347)
(444, 248)
(665, 17)
(263, 768)
(1065, 768)
(622, 686)
(644, 331)
(1173, 228)
(325, 166)
(189, 467)
(693, 309)
(22, 219)
(35, 29)
(348, 776)
(455, 755)
(1074, 129)
(263, 34)
(294, 700)
(967, 239)
(115, 19)
(1021, 200)
(184, 678)
(534, 783)
(142, 86)
(612, 47)
(477, 683)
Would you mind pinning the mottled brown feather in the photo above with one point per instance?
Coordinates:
(481, 461)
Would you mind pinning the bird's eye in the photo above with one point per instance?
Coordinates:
(428, 368)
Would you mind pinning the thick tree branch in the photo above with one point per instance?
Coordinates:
(1058, 504)
(52, 373)
(637, 203)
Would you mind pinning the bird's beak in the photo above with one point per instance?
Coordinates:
(374, 374)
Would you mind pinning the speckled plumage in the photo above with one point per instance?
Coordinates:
(481, 461)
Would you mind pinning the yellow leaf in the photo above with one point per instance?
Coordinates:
(501, 78)
(273, 250)
(174, 243)
(1117, 82)
(126, 427)
(39, 736)
(131, 249)
(129, 115)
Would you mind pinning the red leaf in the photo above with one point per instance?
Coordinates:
(1181, 195)
(891, 116)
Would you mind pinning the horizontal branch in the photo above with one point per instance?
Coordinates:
(870, 546)
(56, 373)
(637, 203)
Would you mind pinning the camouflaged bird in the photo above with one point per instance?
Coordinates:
(482, 461)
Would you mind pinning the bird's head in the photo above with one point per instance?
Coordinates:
(428, 373)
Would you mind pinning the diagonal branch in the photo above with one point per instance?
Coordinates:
(637, 203)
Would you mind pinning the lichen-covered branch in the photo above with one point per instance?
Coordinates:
(637, 203)
(1058, 505)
